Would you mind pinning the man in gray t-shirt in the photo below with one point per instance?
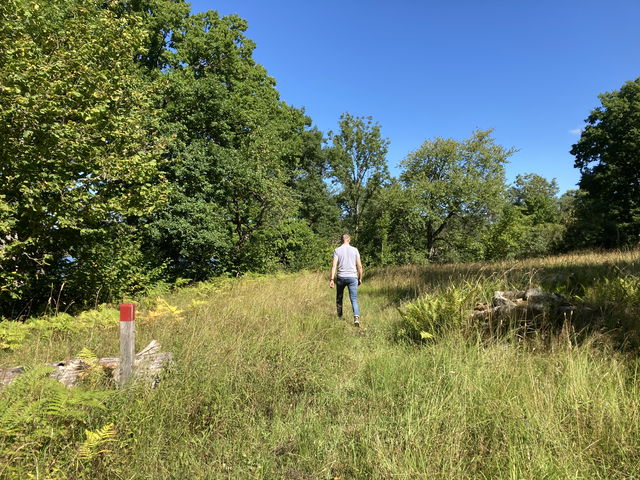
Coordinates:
(347, 266)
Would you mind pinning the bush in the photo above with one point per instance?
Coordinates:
(13, 334)
(436, 313)
(43, 428)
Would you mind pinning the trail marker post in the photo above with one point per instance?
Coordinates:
(127, 341)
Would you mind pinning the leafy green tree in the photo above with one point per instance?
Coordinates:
(389, 227)
(358, 165)
(317, 204)
(237, 153)
(608, 156)
(79, 149)
(506, 237)
(583, 228)
(161, 18)
(457, 189)
(536, 196)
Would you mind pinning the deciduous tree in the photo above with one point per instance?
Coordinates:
(79, 149)
(358, 165)
(608, 156)
(457, 189)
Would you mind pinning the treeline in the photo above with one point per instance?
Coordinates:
(142, 143)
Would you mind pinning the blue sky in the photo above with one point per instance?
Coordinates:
(531, 70)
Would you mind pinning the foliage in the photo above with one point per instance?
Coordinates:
(388, 231)
(531, 224)
(162, 311)
(318, 206)
(536, 196)
(14, 334)
(41, 427)
(436, 314)
(161, 19)
(357, 159)
(455, 189)
(608, 156)
(505, 238)
(622, 291)
(237, 154)
(96, 442)
(80, 150)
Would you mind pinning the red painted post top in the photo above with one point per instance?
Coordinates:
(127, 312)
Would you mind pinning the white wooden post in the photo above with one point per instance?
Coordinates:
(127, 340)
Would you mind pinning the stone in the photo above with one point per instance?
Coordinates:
(501, 299)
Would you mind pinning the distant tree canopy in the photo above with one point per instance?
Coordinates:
(608, 156)
(142, 143)
(358, 166)
(456, 189)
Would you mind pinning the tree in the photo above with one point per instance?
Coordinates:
(608, 156)
(79, 147)
(358, 165)
(386, 237)
(506, 237)
(456, 188)
(318, 206)
(540, 226)
(536, 196)
(236, 156)
(161, 19)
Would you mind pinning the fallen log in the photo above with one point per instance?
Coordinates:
(8, 375)
(147, 365)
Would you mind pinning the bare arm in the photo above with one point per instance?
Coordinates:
(334, 267)
(359, 267)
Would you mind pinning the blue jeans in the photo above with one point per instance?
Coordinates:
(352, 284)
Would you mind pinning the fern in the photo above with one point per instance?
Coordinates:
(87, 356)
(427, 318)
(14, 334)
(38, 414)
(163, 310)
(96, 441)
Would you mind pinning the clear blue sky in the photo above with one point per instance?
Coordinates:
(531, 70)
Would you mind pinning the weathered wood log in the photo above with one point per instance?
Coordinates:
(532, 308)
(8, 375)
(147, 365)
(67, 372)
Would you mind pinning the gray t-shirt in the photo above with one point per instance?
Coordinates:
(347, 256)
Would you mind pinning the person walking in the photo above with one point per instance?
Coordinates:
(347, 266)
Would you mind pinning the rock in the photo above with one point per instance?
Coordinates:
(500, 299)
(531, 307)
(8, 375)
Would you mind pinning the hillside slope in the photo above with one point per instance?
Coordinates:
(268, 383)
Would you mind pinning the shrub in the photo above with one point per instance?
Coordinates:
(438, 312)
(43, 427)
(13, 334)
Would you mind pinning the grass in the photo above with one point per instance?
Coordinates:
(269, 384)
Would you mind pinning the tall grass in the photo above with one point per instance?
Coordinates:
(268, 383)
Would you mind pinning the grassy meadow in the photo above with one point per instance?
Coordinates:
(267, 383)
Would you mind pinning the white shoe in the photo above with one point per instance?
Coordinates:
(356, 321)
